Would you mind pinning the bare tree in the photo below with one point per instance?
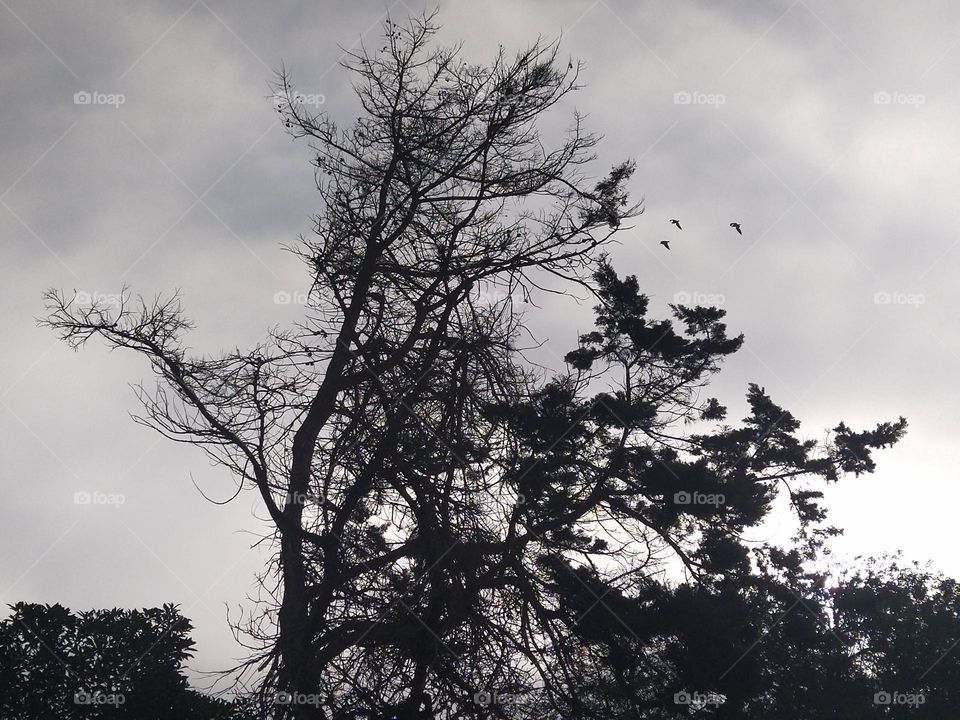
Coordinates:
(433, 495)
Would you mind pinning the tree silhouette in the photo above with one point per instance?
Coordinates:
(103, 664)
(453, 526)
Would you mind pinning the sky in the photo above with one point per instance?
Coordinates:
(139, 147)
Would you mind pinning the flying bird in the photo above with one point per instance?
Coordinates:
(677, 223)
(665, 243)
(736, 226)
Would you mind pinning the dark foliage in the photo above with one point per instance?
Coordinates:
(102, 664)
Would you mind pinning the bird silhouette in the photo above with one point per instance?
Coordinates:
(677, 223)
(665, 243)
(736, 226)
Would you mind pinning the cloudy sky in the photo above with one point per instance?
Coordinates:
(139, 147)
